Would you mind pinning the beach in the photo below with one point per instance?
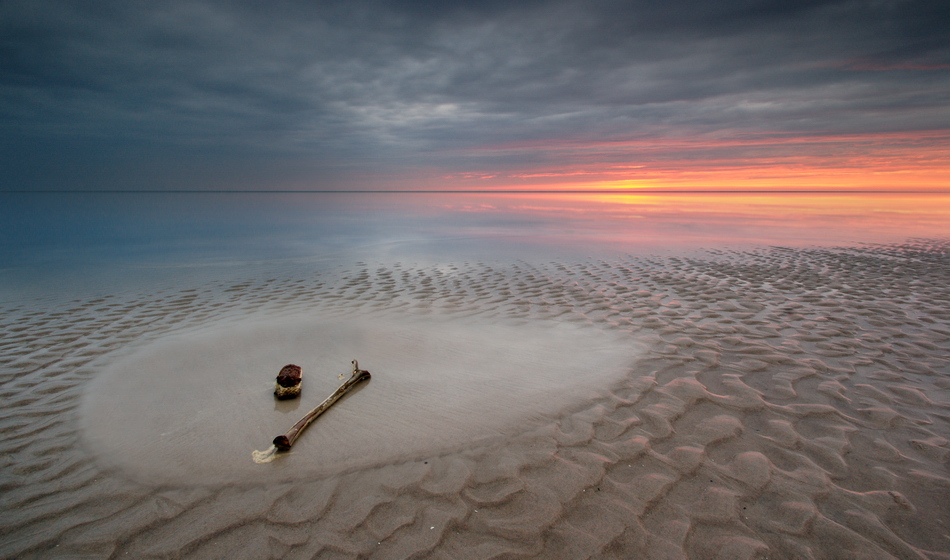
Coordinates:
(475, 280)
(773, 402)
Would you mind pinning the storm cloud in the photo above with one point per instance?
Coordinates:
(340, 95)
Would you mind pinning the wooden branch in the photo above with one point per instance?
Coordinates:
(285, 441)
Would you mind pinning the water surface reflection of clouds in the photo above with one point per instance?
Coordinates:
(201, 229)
(644, 222)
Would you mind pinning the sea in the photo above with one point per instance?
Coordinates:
(98, 242)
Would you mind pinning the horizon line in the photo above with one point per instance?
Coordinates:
(465, 191)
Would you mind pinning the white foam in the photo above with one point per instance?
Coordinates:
(192, 408)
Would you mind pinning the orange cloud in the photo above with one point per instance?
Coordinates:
(892, 161)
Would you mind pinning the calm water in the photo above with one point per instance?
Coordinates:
(101, 242)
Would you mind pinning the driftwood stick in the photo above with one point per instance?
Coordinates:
(285, 441)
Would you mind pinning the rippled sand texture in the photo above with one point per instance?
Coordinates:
(792, 404)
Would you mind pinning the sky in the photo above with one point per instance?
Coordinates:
(449, 95)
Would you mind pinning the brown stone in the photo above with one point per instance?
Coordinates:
(289, 382)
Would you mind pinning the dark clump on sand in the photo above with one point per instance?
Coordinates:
(289, 382)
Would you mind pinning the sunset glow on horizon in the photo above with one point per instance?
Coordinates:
(882, 162)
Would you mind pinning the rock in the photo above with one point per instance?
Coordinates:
(289, 381)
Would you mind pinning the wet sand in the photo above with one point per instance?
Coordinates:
(773, 403)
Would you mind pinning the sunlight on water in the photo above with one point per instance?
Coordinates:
(638, 222)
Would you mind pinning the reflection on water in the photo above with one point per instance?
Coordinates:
(54, 235)
(646, 222)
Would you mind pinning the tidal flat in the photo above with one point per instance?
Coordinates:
(736, 402)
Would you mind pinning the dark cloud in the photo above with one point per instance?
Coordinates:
(324, 94)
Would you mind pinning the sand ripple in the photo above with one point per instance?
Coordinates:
(790, 404)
